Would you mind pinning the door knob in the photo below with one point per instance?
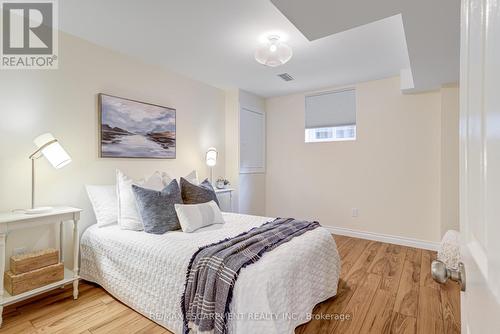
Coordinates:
(441, 274)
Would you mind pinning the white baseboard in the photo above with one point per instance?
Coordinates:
(391, 239)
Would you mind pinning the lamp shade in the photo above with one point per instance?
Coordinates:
(211, 157)
(52, 150)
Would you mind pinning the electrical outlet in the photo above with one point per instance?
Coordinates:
(19, 251)
(355, 212)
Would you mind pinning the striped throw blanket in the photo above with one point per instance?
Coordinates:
(213, 270)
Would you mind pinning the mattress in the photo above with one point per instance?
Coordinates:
(274, 295)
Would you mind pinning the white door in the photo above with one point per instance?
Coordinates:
(480, 164)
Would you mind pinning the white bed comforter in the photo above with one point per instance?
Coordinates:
(274, 295)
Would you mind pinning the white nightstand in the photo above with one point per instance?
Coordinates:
(225, 197)
(12, 221)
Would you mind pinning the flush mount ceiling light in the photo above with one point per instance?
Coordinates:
(273, 53)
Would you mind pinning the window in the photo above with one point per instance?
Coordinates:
(337, 133)
(331, 116)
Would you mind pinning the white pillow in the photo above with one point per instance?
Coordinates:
(104, 203)
(196, 216)
(128, 215)
(166, 179)
(192, 177)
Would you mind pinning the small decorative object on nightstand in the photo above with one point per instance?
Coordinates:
(222, 183)
(12, 221)
(225, 197)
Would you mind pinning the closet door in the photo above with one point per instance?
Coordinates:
(252, 141)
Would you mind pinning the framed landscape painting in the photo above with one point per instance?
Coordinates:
(133, 129)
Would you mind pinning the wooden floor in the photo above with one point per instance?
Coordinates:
(387, 289)
(383, 289)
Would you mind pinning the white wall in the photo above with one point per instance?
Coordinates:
(232, 135)
(449, 158)
(391, 173)
(64, 102)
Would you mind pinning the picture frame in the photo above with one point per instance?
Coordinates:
(135, 129)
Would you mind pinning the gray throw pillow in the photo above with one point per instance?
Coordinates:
(157, 207)
(193, 194)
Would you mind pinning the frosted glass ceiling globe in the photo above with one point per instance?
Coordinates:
(273, 53)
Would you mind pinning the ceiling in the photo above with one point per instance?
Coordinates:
(214, 41)
(432, 30)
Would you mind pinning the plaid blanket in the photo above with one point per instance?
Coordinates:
(213, 270)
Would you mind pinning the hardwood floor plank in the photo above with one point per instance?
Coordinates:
(402, 324)
(350, 253)
(107, 299)
(377, 288)
(65, 310)
(24, 327)
(54, 324)
(358, 305)
(349, 245)
(407, 293)
(450, 299)
(379, 262)
(117, 324)
(135, 325)
(425, 272)
(340, 239)
(414, 255)
(53, 305)
(153, 328)
(430, 317)
(390, 267)
(359, 269)
(379, 316)
(109, 312)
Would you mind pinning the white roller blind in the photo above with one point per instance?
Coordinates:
(331, 109)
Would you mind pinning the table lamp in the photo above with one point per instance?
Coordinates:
(50, 148)
(211, 159)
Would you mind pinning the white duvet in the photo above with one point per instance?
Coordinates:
(274, 295)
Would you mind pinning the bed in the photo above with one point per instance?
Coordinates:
(274, 295)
